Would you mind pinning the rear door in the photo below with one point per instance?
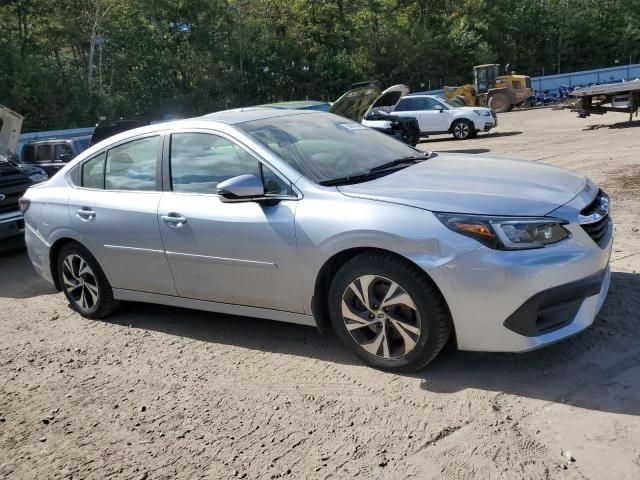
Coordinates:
(115, 211)
(236, 253)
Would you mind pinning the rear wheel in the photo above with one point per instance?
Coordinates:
(388, 312)
(499, 103)
(84, 283)
(463, 129)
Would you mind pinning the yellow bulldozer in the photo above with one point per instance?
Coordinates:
(499, 92)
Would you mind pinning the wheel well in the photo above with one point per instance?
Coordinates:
(460, 119)
(319, 302)
(53, 259)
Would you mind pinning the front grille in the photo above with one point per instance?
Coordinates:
(10, 202)
(594, 218)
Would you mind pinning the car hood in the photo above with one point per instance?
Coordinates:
(356, 103)
(475, 184)
(10, 128)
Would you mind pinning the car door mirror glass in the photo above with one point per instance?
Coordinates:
(438, 107)
(243, 188)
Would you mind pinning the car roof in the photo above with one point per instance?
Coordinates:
(293, 104)
(241, 115)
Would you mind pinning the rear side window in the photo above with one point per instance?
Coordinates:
(62, 152)
(199, 161)
(132, 166)
(93, 172)
(405, 105)
(44, 153)
(28, 154)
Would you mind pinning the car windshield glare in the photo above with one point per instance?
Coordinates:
(323, 146)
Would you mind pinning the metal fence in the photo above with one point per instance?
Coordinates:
(576, 79)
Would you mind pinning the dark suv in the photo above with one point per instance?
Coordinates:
(13, 183)
(52, 154)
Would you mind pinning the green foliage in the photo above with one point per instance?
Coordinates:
(65, 63)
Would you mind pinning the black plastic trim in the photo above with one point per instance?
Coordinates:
(554, 308)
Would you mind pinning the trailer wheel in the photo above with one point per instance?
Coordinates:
(499, 103)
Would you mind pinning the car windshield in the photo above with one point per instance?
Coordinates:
(448, 103)
(323, 146)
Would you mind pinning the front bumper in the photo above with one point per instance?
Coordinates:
(484, 124)
(515, 301)
(11, 225)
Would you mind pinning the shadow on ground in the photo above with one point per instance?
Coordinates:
(481, 136)
(598, 369)
(614, 126)
(18, 278)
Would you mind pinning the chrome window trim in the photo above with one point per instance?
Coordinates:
(76, 171)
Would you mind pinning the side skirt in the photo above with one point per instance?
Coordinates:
(230, 309)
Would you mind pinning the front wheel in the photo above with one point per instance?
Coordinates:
(388, 312)
(84, 283)
(463, 130)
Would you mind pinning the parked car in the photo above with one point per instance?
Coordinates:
(437, 115)
(51, 154)
(368, 104)
(14, 179)
(105, 130)
(300, 105)
(310, 218)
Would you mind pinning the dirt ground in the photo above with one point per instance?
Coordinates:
(156, 392)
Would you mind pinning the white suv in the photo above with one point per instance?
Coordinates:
(438, 115)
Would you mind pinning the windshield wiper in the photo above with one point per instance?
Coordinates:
(401, 161)
(350, 179)
(375, 172)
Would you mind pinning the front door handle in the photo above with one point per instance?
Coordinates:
(174, 220)
(86, 214)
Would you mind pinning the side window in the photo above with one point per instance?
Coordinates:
(44, 153)
(93, 172)
(425, 103)
(273, 184)
(199, 161)
(27, 154)
(405, 105)
(62, 152)
(132, 166)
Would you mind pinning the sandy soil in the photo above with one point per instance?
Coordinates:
(157, 392)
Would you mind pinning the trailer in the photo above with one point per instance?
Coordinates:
(623, 97)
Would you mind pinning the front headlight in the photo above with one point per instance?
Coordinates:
(507, 233)
(483, 113)
(38, 177)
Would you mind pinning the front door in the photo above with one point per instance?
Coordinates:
(115, 211)
(430, 117)
(235, 253)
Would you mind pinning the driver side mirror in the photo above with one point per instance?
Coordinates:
(243, 188)
(439, 108)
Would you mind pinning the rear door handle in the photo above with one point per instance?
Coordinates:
(174, 220)
(86, 214)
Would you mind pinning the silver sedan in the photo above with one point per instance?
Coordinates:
(309, 218)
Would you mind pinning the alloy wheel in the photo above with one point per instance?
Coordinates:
(381, 316)
(461, 130)
(80, 282)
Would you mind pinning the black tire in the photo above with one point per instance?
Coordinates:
(500, 103)
(432, 315)
(93, 279)
(463, 129)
